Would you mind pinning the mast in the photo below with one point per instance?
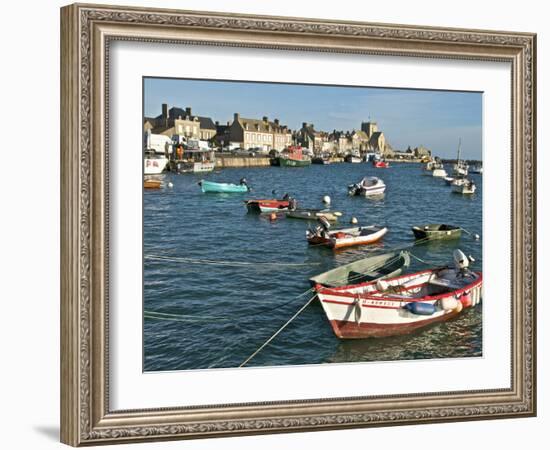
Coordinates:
(458, 153)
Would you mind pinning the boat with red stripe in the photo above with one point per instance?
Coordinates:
(401, 304)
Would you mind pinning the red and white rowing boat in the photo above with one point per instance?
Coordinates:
(381, 164)
(267, 205)
(346, 237)
(400, 305)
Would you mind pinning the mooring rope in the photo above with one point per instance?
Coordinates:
(226, 263)
(247, 360)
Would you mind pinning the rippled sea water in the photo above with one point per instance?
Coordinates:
(199, 315)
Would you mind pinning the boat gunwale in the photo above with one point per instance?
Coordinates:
(328, 291)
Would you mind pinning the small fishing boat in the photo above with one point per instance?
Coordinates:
(152, 184)
(455, 181)
(345, 237)
(323, 159)
(367, 186)
(403, 304)
(267, 205)
(435, 168)
(313, 214)
(381, 164)
(211, 186)
(460, 168)
(294, 156)
(449, 180)
(433, 231)
(363, 270)
(355, 159)
(468, 187)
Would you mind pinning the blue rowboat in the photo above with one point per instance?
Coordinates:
(210, 186)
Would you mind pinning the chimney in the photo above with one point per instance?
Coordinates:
(165, 114)
(276, 122)
(304, 124)
(188, 111)
(264, 118)
(236, 117)
(217, 123)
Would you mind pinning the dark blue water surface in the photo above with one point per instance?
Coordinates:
(201, 315)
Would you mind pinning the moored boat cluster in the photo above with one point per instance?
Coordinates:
(374, 296)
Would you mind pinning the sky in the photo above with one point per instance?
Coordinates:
(408, 117)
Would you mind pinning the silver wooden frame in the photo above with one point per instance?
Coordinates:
(86, 32)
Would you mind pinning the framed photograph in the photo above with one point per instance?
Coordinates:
(284, 224)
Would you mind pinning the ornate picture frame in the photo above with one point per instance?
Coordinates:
(86, 34)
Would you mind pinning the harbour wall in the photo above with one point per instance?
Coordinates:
(225, 161)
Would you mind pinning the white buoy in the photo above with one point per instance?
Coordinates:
(326, 200)
(476, 237)
(170, 185)
(354, 220)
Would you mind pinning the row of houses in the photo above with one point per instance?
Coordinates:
(268, 134)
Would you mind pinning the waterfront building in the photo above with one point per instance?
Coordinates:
(259, 133)
(178, 121)
(310, 138)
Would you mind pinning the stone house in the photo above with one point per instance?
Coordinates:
(259, 133)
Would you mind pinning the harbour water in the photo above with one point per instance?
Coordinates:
(219, 281)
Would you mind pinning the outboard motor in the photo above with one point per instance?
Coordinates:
(292, 204)
(324, 223)
(462, 262)
(353, 189)
(243, 181)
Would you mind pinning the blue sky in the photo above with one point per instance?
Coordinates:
(435, 119)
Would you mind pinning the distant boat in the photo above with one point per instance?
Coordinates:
(313, 214)
(435, 168)
(323, 159)
(460, 168)
(267, 205)
(466, 188)
(346, 237)
(381, 164)
(353, 159)
(434, 231)
(367, 186)
(403, 304)
(210, 186)
(152, 184)
(194, 160)
(293, 157)
(364, 270)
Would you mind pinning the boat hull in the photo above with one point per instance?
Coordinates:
(195, 167)
(289, 162)
(154, 166)
(266, 206)
(362, 311)
(435, 234)
(220, 188)
(312, 215)
(348, 237)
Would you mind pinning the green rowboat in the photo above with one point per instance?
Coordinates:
(365, 270)
(313, 214)
(434, 231)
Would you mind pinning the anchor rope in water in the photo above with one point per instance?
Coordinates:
(226, 263)
(273, 336)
